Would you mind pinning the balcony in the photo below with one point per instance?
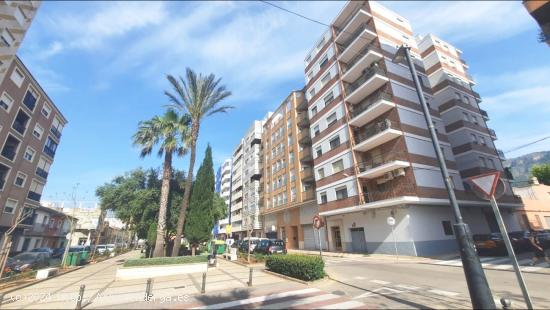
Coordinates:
(49, 151)
(373, 78)
(236, 218)
(304, 137)
(302, 120)
(363, 59)
(34, 196)
(305, 155)
(56, 132)
(371, 108)
(358, 19)
(484, 114)
(307, 174)
(42, 173)
(379, 165)
(390, 191)
(357, 41)
(501, 154)
(375, 135)
(492, 133)
(308, 195)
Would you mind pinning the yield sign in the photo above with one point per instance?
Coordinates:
(487, 183)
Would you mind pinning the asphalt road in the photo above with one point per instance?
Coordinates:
(383, 283)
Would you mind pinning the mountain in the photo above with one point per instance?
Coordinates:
(521, 166)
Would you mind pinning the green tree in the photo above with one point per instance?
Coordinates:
(200, 215)
(199, 96)
(168, 133)
(219, 209)
(542, 173)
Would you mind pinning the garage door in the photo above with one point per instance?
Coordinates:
(311, 238)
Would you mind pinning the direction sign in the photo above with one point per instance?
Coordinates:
(487, 183)
(318, 222)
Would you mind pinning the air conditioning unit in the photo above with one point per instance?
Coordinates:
(388, 176)
(399, 172)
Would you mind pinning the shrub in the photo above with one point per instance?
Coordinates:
(301, 267)
(166, 261)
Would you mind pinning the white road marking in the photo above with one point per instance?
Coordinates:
(378, 291)
(530, 269)
(344, 305)
(380, 282)
(298, 302)
(241, 302)
(444, 293)
(407, 287)
(359, 278)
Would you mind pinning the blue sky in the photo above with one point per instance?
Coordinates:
(104, 65)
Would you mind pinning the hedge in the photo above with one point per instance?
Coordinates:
(303, 267)
(166, 261)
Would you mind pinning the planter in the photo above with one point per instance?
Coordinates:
(144, 272)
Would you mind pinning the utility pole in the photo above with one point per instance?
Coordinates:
(480, 293)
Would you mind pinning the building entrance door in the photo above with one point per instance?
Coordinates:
(337, 237)
(358, 242)
(294, 237)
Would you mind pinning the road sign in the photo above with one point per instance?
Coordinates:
(318, 222)
(228, 229)
(390, 220)
(487, 183)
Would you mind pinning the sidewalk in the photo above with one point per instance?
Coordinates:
(360, 255)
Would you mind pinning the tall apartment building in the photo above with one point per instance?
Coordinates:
(30, 131)
(245, 183)
(288, 184)
(372, 153)
(16, 17)
(223, 187)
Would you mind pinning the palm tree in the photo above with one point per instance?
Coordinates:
(169, 132)
(199, 96)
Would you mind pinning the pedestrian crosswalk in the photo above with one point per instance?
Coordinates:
(309, 298)
(499, 263)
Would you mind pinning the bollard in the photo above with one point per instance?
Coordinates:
(250, 277)
(149, 289)
(80, 297)
(506, 303)
(203, 289)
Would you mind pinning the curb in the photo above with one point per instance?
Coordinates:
(308, 283)
(545, 272)
(243, 264)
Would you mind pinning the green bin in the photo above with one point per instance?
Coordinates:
(75, 261)
(84, 257)
(69, 258)
(220, 248)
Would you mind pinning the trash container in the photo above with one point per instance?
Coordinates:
(68, 259)
(73, 258)
(84, 257)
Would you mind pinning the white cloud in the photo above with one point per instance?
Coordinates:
(461, 21)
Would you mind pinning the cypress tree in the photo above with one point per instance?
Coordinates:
(199, 219)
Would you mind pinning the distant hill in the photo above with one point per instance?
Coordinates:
(521, 166)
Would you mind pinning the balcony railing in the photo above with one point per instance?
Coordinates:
(308, 195)
(371, 131)
(304, 137)
(34, 196)
(358, 57)
(302, 119)
(492, 133)
(390, 190)
(49, 151)
(56, 132)
(369, 102)
(501, 154)
(370, 72)
(379, 160)
(305, 154)
(20, 128)
(364, 26)
(306, 174)
(42, 173)
(484, 113)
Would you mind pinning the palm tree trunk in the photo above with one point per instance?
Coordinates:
(160, 249)
(187, 190)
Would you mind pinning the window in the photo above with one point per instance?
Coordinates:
(334, 142)
(292, 176)
(313, 110)
(38, 131)
(20, 122)
(338, 166)
(312, 93)
(291, 157)
(36, 187)
(10, 147)
(491, 163)
(50, 147)
(6, 102)
(323, 62)
(325, 78)
(447, 228)
(474, 119)
(331, 119)
(20, 179)
(17, 77)
(43, 167)
(319, 151)
(4, 170)
(323, 196)
(474, 138)
(328, 98)
(30, 99)
(341, 193)
(10, 206)
(7, 38)
(293, 194)
(46, 110)
(321, 173)
(45, 220)
(482, 162)
(316, 130)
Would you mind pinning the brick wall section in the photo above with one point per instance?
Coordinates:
(330, 129)
(335, 177)
(325, 109)
(342, 147)
(339, 204)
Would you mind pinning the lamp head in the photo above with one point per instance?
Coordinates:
(400, 54)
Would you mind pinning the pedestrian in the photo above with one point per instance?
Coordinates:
(538, 250)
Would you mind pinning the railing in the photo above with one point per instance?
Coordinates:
(303, 119)
(501, 154)
(308, 195)
(41, 172)
(372, 130)
(359, 55)
(307, 173)
(303, 136)
(369, 102)
(20, 128)
(492, 132)
(34, 196)
(390, 190)
(484, 113)
(305, 153)
(370, 72)
(56, 132)
(49, 151)
(380, 160)
(364, 26)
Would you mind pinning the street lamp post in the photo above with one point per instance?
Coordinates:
(480, 293)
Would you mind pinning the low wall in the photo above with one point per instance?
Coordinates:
(144, 272)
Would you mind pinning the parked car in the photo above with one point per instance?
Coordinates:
(491, 244)
(253, 242)
(43, 250)
(271, 246)
(111, 248)
(28, 261)
(57, 252)
(100, 249)
(520, 240)
(80, 248)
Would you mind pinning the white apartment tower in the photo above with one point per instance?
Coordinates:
(223, 187)
(372, 153)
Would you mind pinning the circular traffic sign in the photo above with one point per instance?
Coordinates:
(390, 220)
(318, 222)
